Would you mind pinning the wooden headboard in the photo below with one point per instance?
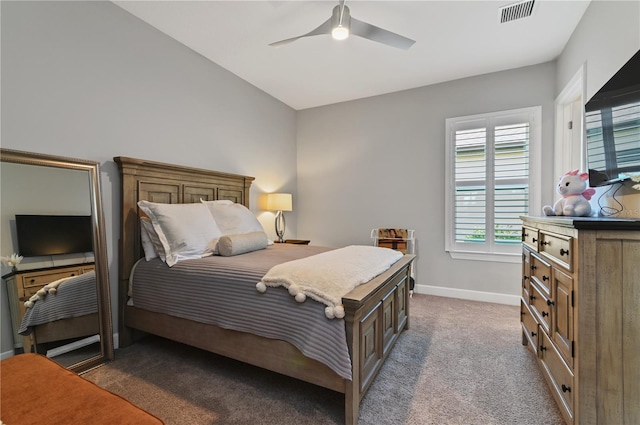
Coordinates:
(164, 183)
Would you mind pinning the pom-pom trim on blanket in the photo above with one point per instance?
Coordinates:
(328, 276)
(49, 288)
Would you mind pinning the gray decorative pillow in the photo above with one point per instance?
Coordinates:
(229, 245)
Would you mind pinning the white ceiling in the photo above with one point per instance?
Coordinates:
(454, 39)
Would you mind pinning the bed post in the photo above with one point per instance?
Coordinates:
(352, 388)
(374, 320)
(126, 245)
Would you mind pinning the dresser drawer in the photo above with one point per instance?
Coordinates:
(540, 306)
(530, 237)
(558, 248)
(39, 279)
(558, 374)
(529, 326)
(526, 273)
(541, 273)
(29, 292)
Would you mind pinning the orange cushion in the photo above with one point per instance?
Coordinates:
(37, 390)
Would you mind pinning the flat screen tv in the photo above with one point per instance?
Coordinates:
(612, 121)
(53, 234)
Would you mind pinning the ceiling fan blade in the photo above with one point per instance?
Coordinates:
(324, 28)
(371, 32)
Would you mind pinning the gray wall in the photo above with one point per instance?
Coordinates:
(379, 162)
(606, 37)
(89, 80)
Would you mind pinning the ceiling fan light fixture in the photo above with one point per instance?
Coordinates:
(340, 32)
(340, 26)
(340, 22)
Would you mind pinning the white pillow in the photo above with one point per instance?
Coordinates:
(185, 231)
(150, 241)
(239, 244)
(219, 201)
(147, 246)
(233, 219)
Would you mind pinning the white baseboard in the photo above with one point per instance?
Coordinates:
(466, 294)
(7, 354)
(63, 349)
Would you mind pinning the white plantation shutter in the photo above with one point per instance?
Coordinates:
(470, 175)
(488, 189)
(511, 181)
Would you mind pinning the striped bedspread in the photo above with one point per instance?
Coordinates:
(75, 297)
(222, 291)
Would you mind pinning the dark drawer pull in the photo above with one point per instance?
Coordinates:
(566, 389)
(545, 314)
(524, 235)
(545, 278)
(534, 240)
(533, 267)
(532, 297)
(543, 348)
(546, 243)
(32, 280)
(549, 302)
(525, 277)
(533, 333)
(564, 252)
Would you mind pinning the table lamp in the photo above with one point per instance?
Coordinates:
(279, 202)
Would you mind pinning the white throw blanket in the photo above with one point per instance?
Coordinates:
(328, 276)
(49, 288)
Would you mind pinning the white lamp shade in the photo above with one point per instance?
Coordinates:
(279, 202)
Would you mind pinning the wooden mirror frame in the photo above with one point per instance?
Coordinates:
(99, 243)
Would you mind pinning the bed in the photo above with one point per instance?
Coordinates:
(62, 310)
(375, 312)
(36, 390)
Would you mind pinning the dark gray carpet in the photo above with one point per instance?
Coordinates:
(460, 363)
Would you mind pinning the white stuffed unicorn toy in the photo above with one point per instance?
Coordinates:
(575, 196)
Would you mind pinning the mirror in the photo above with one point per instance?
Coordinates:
(58, 295)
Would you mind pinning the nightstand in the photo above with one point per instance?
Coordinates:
(296, 241)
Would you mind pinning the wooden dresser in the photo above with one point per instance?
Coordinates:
(580, 314)
(21, 285)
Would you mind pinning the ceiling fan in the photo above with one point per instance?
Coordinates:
(340, 25)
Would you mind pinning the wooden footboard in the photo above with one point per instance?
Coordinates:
(375, 312)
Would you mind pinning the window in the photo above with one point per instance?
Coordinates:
(492, 180)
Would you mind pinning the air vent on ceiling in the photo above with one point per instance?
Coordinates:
(519, 10)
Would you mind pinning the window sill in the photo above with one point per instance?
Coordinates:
(487, 256)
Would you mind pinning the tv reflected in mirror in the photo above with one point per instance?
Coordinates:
(40, 235)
